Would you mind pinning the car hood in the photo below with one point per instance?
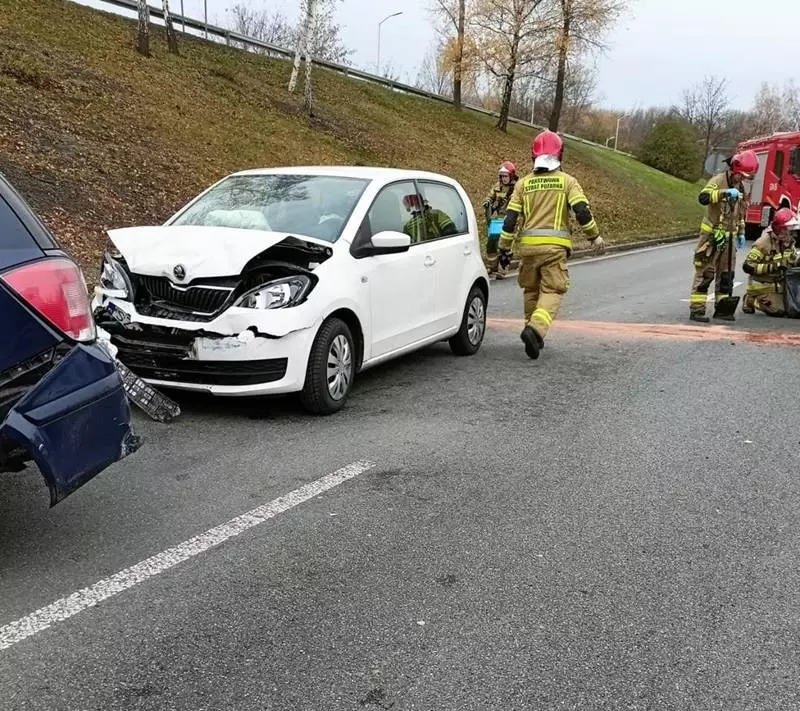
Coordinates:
(202, 251)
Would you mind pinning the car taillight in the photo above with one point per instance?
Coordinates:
(56, 289)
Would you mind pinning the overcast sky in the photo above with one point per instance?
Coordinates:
(662, 47)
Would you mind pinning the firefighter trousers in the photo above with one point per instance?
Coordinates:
(544, 278)
(492, 254)
(709, 266)
(764, 297)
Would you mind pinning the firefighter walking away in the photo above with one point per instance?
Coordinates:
(495, 206)
(714, 255)
(766, 264)
(539, 211)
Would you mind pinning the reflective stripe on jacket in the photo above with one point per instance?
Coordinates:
(542, 201)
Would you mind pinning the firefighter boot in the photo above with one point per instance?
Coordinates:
(533, 342)
(698, 316)
(749, 304)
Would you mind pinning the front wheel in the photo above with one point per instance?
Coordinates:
(473, 325)
(331, 369)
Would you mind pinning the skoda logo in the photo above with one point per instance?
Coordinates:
(179, 271)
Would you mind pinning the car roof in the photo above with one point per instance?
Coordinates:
(384, 175)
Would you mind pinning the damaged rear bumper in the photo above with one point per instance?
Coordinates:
(224, 357)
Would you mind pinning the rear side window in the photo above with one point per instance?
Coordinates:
(446, 201)
(779, 163)
(20, 228)
(13, 234)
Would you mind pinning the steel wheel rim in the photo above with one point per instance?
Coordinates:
(340, 367)
(476, 320)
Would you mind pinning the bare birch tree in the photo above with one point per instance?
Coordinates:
(143, 29)
(768, 112)
(303, 53)
(434, 75)
(791, 102)
(712, 105)
(272, 27)
(172, 36)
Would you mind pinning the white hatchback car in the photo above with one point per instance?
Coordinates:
(294, 279)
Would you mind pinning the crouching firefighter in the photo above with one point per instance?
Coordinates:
(714, 255)
(539, 210)
(766, 265)
(495, 207)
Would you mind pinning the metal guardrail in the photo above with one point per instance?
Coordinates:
(231, 37)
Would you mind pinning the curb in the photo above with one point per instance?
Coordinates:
(620, 248)
(633, 246)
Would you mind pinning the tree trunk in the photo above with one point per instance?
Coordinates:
(308, 91)
(508, 87)
(457, 68)
(302, 43)
(143, 29)
(563, 49)
(172, 37)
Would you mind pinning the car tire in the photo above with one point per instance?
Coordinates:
(473, 325)
(331, 369)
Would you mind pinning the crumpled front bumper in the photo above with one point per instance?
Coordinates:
(241, 352)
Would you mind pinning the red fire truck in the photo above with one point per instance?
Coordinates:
(777, 183)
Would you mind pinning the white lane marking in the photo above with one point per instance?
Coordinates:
(711, 296)
(71, 605)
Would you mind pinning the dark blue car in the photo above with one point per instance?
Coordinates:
(62, 402)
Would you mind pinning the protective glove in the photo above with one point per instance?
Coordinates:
(599, 245)
(732, 194)
(504, 259)
(740, 241)
(719, 238)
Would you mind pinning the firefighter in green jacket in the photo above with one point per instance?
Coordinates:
(723, 198)
(426, 222)
(495, 206)
(766, 264)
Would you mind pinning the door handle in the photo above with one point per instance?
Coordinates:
(429, 261)
(467, 251)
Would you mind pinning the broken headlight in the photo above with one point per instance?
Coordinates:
(278, 294)
(113, 279)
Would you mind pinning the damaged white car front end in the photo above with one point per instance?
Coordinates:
(231, 319)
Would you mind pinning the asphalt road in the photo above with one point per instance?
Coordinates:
(611, 527)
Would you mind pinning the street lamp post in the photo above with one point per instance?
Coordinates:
(378, 62)
(205, 16)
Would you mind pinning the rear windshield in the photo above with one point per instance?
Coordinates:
(311, 205)
(20, 228)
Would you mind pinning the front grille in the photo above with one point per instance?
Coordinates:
(205, 299)
(160, 310)
(169, 361)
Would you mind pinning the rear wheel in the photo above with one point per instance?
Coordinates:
(331, 369)
(473, 325)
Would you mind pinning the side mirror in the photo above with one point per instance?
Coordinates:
(389, 242)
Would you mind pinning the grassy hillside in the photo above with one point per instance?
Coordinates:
(96, 136)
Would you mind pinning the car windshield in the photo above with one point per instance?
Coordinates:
(311, 205)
